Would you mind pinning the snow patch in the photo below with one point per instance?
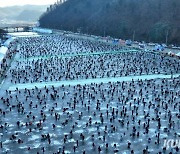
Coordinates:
(42, 30)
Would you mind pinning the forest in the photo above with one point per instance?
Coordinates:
(140, 20)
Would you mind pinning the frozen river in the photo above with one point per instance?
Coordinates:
(68, 95)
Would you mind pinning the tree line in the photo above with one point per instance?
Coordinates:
(142, 20)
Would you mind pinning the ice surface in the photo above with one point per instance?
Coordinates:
(8, 41)
(89, 81)
(1, 57)
(74, 55)
(178, 54)
(3, 50)
(75, 113)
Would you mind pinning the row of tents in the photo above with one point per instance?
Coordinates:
(143, 45)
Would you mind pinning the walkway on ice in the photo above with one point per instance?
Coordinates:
(74, 55)
(89, 81)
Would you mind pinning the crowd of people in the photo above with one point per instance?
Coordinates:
(115, 117)
(101, 65)
(51, 45)
(7, 59)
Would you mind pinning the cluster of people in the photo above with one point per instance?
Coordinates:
(79, 67)
(134, 116)
(115, 117)
(51, 45)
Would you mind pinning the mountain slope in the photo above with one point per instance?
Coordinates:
(22, 13)
(29, 15)
(149, 20)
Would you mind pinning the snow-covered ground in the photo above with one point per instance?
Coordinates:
(23, 34)
(3, 50)
(67, 95)
(42, 30)
(8, 41)
(41, 85)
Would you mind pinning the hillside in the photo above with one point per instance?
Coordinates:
(33, 15)
(149, 20)
(22, 13)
